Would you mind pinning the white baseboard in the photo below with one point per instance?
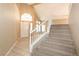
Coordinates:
(11, 48)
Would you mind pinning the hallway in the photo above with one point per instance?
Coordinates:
(52, 29)
(58, 43)
(20, 48)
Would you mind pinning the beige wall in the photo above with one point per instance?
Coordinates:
(52, 11)
(74, 24)
(9, 22)
(24, 8)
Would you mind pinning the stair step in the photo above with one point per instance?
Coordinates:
(55, 51)
(61, 38)
(58, 43)
(45, 52)
(64, 48)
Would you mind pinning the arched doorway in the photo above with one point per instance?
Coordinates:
(26, 19)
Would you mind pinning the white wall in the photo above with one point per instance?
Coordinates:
(9, 17)
(52, 10)
(74, 24)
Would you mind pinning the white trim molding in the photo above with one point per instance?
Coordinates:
(11, 48)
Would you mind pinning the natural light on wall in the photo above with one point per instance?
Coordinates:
(26, 17)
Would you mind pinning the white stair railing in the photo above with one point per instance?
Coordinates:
(36, 34)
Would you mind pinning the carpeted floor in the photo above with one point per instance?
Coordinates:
(58, 43)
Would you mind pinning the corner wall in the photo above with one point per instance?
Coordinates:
(74, 24)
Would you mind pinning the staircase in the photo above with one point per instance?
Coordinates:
(57, 43)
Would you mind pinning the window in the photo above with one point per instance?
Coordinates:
(26, 17)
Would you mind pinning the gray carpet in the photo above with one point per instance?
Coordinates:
(57, 43)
